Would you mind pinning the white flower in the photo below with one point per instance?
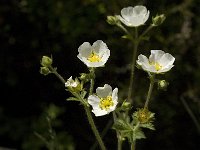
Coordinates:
(134, 16)
(158, 62)
(95, 55)
(71, 83)
(105, 101)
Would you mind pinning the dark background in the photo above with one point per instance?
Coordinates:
(30, 29)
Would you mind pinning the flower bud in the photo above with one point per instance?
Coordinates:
(158, 19)
(112, 20)
(126, 105)
(44, 70)
(162, 84)
(46, 61)
(74, 85)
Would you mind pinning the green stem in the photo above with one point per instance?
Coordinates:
(94, 129)
(92, 72)
(133, 146)
(136, 43)
(145, 32)
(119, 140)
(54, 71)
(152, 81)
(103, 133)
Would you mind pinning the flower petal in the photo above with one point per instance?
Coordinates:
(85, 49)
(99, 112)
(166, 60)
(156, 55)
(94, 100)
(104, 91)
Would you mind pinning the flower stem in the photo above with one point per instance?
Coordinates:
(145, 32)
(152, 81)
(136, 43)
(54, 71)
(92, 72)
(119, 140)
(94, 129)
(133, 146)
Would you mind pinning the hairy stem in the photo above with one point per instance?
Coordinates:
(119, 140)
(54, 71)
(152, 81)
(136, 43)
(92, 72)
(94, 129)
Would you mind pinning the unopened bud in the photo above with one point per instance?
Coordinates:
(162, 84)
(46, 61)
(112, 20)
(126, 105)
(158, 19)
(73, 85)
(44, 70)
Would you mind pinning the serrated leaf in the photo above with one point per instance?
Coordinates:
(120, 125)
(72, 99)
(148, 126)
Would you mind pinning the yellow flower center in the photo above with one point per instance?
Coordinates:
(94, 57)
(156, 65)
(106, 103)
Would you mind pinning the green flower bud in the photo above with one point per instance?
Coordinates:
(112, 20)
(158, 19)
(44, 70)
(126, 105)
(162, 85)
(46, 61)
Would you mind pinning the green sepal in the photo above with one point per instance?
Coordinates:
(72, 99)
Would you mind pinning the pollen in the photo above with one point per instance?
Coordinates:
(94, 57)
(106, 103)
(156, 65)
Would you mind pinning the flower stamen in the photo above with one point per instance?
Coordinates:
(94, 57)
(156, 65)
(106, 103)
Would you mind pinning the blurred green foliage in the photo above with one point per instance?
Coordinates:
(30, 29)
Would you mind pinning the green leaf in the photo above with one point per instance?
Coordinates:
(148, 126)
(72, 99)
(121, 125)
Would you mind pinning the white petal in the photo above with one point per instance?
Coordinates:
(125, 21)
(127, 13)
(104, 91)
(84, 50)
(166, 60)
(137, 10)
(146, 16)
(142, 60)
(99, 112)
(100, 47)
(165, 69)
(156, 55)
(115, 95)
(93, 100)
